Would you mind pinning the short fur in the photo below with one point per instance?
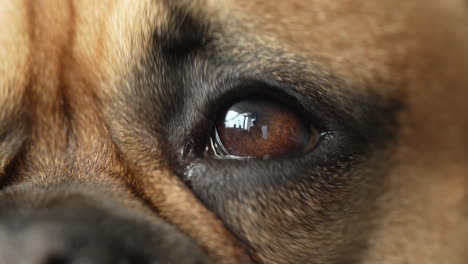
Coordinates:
(105, 105)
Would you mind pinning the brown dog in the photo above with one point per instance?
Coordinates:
(164, 131)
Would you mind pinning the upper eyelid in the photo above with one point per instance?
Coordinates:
(309, 108)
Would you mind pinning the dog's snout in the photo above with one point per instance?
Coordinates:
(77, 229)
(62, 243)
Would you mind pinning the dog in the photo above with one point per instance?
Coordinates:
(246, 131)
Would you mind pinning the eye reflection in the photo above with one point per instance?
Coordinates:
(244, 121)
(258, 128)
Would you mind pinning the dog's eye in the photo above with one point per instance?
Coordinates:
(259, 128)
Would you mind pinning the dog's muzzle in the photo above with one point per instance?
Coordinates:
(59, 226)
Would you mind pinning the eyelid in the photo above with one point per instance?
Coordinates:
(284, 93)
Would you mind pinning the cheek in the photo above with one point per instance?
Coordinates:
(284, 230)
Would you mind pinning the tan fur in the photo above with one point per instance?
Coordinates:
(62, 68)
(424, 206)
(15, 71)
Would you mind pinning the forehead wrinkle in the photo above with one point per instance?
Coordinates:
(15, 72)
(114, 34)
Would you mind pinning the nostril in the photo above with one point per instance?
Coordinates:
(54, 259)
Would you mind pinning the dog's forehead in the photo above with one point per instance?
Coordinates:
(361, 39)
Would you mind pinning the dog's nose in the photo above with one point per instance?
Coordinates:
(101, 241)
(40, 245)
(80, 231)
(80, 244)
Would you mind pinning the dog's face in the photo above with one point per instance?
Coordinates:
(233, 131)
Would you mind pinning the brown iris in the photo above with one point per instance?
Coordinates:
(259, 128)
